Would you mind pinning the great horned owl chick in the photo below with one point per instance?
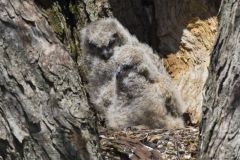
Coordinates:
(144, 93)
(127, 83)
(98, 40)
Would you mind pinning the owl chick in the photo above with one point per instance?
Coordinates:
(126, 81)
(98, 41)
(144, 93)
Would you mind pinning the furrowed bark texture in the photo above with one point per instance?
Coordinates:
(220, 137)
(44, 113)
(68, 17)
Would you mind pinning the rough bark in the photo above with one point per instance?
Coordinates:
(68, 17)
(44, 113)
(220, 137)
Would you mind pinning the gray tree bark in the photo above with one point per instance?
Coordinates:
(44, 113)
(220, 137)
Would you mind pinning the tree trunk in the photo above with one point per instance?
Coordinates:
(44, 112)
(220, 137)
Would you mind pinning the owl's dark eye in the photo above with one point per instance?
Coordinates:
(101, 52)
